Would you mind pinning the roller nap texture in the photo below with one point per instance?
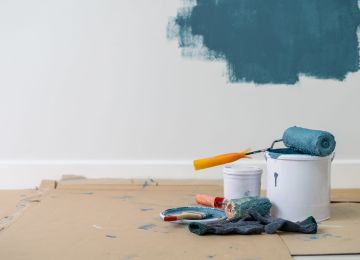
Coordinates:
(307, 141)
(238, 208)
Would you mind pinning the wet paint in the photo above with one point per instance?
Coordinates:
(276, 175)
(276, 153)
(309, 141)
(272, 41)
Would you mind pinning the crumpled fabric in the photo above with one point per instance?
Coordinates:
(252, 224)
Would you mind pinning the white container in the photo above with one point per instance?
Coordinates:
(298, 186)
(241, 181)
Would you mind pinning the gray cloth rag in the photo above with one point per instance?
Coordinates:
(254, 223)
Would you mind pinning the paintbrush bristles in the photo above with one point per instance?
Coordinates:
(186, 215)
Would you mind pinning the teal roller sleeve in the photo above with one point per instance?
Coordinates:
(313, 142)
(239, 208)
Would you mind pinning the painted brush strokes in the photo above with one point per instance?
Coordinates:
(272, 41)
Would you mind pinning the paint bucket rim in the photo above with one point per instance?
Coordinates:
(235, 169)
(298, 157)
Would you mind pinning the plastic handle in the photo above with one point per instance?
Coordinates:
(170, 218)
(206, 200)
(219, 159)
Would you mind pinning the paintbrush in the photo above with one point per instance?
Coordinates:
(185, 215)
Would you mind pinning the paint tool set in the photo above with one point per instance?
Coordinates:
(294, 175)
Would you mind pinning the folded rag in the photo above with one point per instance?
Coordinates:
(307, 226)
(254, 223)
(223, 227)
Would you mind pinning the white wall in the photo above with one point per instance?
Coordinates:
(95, 87)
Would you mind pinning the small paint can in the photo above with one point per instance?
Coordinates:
(241, 181)
(298, 185)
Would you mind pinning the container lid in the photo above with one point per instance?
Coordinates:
(234, 169)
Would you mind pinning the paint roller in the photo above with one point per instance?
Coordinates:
(297, 139)
(307, 141)
(220, 159)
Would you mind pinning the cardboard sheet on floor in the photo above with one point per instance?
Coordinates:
(345, 195)
(8, 201)
(215, 187)
(338, 235)
(121, 224)
(13, 200)
(119, 219)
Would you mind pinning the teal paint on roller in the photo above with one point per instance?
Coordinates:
(238, 208)
(300, 140)
(307, 141)
(276, 153)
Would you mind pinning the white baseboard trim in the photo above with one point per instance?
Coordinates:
(21, 174)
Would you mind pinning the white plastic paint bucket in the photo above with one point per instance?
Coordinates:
(241, 181)
(298, 186)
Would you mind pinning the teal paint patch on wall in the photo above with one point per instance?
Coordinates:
(272, 41)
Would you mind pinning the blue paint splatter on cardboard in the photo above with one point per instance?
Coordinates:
(272, 41)
(125, 197)
(87, 193)
(146, 226)
(146, 209)
(320, 236)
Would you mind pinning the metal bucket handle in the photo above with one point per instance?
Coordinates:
(279, 140)
(272, 146)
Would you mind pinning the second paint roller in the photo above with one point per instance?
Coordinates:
(297, 139)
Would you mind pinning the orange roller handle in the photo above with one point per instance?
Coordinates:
(219, 159)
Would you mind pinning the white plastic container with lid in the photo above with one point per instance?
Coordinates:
(298, 186)
(241, 181)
